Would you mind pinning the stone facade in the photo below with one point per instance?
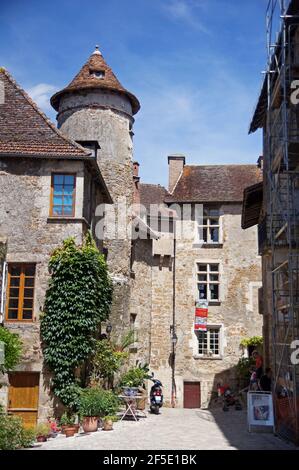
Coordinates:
(32, 235)
(236, 313)
(154, 278)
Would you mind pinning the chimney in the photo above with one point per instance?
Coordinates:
(176, 165)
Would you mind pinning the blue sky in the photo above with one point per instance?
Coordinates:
(195, 66)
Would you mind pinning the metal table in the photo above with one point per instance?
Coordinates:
(131, 403)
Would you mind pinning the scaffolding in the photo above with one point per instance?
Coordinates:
(281, 166)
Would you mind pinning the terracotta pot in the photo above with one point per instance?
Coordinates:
(63, 428)
(41, 438)
(107, 425)
(90, 423)
(70, 431)
(141, 404)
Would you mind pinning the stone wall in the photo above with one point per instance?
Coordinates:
(31, 237)
(236, 313)
(107, 118)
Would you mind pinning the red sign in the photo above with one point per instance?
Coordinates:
(201, 319)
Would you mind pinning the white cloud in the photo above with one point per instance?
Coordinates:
(187, 11)
(207, 121)
(41, 94)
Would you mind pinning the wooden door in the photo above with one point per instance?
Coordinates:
(23, 396)
(192, 395)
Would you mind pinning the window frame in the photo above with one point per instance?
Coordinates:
(220, 343)
(208, 272)
(52, 205)
(206, 224)
(20, 309)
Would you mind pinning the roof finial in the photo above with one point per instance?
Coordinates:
(97, 51)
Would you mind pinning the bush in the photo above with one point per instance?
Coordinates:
(106, 360)
(12, 349)
(42, 429)
(135, 376)
(11, 432)
(244, 368)
(67, 419)
(98, 402)
(27, 437)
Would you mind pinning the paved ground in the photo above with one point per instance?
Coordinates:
(176, 429)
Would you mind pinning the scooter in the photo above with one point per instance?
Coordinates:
(156, 396)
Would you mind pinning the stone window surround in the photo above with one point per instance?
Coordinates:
(220, 357)
(208, 261)
(219, 244)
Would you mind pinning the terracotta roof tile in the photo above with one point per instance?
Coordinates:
(86, 79)
(154, 194)
(214, 183)
(25, 130)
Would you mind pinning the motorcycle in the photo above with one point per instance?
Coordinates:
(156, 396)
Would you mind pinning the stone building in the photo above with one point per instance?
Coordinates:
(273, 206)
(53, 184)
(49, 188)
(207, 257)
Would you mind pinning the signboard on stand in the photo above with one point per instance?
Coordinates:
(201, 316)
(260, 409)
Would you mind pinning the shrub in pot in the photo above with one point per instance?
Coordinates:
(42, 431)
(108, 423)
(68, 426)
(95, 403)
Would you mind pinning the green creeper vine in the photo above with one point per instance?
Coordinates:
(77, 300)
(255, 341)
(12, 348)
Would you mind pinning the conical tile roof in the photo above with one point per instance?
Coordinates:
(95, 74)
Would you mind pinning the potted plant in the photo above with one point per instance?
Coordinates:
(89, 409)
(68, 426)
(42, 431)
(95, 403)
(108, 423)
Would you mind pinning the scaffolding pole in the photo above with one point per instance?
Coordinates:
(282, 204)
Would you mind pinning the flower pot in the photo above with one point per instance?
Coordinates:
(107, 425)
(90, 423)
(141, 404)
(70, 431)
(41, 438)
(63, 428)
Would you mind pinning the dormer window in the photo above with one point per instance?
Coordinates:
(100, 74)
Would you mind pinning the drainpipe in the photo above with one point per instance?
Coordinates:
(173, 326)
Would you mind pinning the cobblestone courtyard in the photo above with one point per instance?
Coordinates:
(177, 429)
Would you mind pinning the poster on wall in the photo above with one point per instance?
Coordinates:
(260, 409)
(201, 316)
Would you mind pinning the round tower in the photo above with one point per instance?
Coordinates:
(96, 107)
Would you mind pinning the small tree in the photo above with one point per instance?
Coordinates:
(77, 300)
(12, 348)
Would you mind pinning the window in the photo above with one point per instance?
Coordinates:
(20, 291)
(209, 226)
(208, 281)
(63, 195)
(209, 342)
(133, 317)
(98, 73)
